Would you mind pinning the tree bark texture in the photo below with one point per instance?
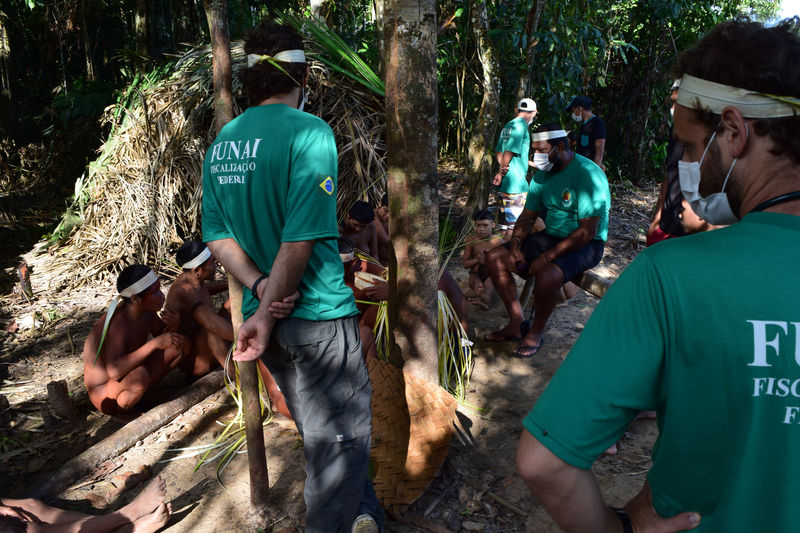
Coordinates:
(411, 142)
(480, 155)
(217, 16)
(531, 26)
(140, 23)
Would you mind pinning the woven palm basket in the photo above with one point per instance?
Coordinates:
(412, 423)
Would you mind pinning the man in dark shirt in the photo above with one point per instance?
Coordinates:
(590, 140)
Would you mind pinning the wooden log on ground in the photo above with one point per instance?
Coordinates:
(125, 437)
(59, 400)
(590, 281)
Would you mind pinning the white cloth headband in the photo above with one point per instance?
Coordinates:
(696, 93)
(139, 286)
(286, 56)
(198, 260)
(547, 135)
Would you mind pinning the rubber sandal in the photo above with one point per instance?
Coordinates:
(526, 352)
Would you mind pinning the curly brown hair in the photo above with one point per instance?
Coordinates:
(263, 80)
(748, 55)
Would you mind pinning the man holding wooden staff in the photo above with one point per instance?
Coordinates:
(269, 209)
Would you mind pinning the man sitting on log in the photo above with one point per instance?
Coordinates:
(572, 194)
(209, 331)
(119, 362)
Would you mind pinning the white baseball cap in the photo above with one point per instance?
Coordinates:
(526, 104)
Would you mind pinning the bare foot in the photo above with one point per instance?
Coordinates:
(153, 521)
(151, 497)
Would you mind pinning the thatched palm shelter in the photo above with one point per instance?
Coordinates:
(142, 195)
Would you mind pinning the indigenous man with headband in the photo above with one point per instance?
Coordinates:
(119, 362)
(697, 328)
(571, 193)
(269, 209)
(512, 151)
(209, 331)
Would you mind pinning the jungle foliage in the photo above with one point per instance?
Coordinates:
(62, 61)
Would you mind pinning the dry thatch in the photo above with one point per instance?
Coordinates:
(142, 195)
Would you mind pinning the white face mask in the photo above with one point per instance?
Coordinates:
(303, 99)
(714, 208)
(577, 117)
(542, 161)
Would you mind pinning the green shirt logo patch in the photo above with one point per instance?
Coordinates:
(327, 185)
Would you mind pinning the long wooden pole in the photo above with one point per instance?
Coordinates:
(216, 13)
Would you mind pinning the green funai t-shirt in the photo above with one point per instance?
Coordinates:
(704, 329)
(515, 139)
(578, 191)
(270, 177)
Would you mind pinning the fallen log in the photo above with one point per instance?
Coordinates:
(124, 438)
(590, 281)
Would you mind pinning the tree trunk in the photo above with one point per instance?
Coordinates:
(140, 23)
(377, 13)
(5, 56)
(480, 158)
(216, 14)
(411, 147)
(535, 13)
(217, 17)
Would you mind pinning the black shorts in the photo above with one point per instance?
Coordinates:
(572, 264)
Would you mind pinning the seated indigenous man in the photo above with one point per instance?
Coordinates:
(697, 328)
(358, 226)
(119, 362)
(479, 243)
(573, 194)
(210, 332)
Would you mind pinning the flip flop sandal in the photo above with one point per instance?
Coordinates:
(526, 352)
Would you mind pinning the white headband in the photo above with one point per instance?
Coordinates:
(198, 260)
(127, 292)
(547, 135)
(139, 286)
(286, 56)
(695, 93)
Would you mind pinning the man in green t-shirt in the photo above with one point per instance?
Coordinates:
(697, 328)
(511, 151)
(269, 209)
(571, 194)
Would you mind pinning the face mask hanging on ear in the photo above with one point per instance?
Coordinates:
(302, 100)
(714, 208)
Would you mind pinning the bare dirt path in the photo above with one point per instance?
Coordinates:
(476, 490)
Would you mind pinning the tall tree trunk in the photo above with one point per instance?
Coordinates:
(411, 147)
(5, 55)
(217, 16)
(140, 23)
(377, 14)
(479, 153)
(87, 46)
(532, 24)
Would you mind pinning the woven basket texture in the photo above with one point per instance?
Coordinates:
(412, 423)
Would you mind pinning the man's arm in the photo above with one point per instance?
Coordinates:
(585, 232)
(468, 260)
(373, 239)
(235, 260)
(572, 497)
(285, 276)
(216, 287)
(599, 151)
(503, 160)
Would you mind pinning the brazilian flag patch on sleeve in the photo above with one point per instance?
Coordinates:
(327, 185)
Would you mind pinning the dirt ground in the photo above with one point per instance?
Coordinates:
(476, 490)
